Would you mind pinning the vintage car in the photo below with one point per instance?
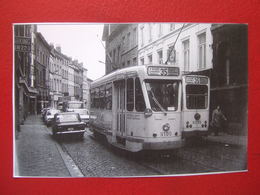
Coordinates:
(49, 116)
(43, 112)
(84, 115)
(68, 123)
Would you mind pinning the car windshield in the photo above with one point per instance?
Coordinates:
(75, 105)
(67, 118)
(81, 111)
(163, 94)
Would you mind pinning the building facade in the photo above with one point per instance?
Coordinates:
(25, 89)
(188, 46)
(71, 83)
(229, 77)
(121, 45)
(44, 76)
(42, 56)
(86, 89)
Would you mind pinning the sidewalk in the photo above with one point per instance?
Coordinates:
(36, 151)
(228, 139)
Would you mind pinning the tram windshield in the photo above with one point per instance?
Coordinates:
(163, 94)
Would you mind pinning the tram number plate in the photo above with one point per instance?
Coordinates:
(70, 129)
(196, 122)
(166, 133)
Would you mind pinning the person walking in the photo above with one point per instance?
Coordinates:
(217, 120)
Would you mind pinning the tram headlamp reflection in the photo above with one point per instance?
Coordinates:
(148, 112)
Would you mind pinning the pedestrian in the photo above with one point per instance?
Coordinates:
(217, 120)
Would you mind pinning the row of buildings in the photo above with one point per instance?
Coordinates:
(216, 50)
(44, 75)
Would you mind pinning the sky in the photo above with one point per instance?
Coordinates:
(81, 42)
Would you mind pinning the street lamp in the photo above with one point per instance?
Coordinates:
(101, 62)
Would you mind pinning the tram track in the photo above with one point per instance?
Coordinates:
(187, 160)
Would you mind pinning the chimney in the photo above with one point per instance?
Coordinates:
(52, 45)
(58, 48)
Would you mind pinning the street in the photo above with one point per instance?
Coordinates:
(94, 157)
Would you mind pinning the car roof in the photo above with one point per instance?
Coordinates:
(66, 113)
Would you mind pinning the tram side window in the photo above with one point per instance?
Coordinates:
(139, 98)
(102, 97)
(130, 94)
(96, 100)
(92, 98)
(109, 96)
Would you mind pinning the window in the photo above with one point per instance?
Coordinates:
(130, 94)
(171, 54)
(102, 97)
(186, 55)
(150, 32)
(172, 26)
(197, 96)
(123, 43)
(134, 37)
(92, 98)
(142, 36)
(163, 94)
(134, 61)
(160, 57)
(22, 30)
(109, 96)
(202, 50)
(128, 63)
(139, 98)
(150, 59)
(142, 61)
(96, 100)
(159, 30)
(118, 54)
(128, 40)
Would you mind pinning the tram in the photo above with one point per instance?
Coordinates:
(149, 107)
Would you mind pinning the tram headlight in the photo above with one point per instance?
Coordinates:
(148, 112)
(187, 124)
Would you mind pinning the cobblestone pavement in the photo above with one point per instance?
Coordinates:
(36, 151)
(38, 155)
(97, 160)
(200, 157)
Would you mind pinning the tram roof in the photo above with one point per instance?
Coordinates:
(140, 70)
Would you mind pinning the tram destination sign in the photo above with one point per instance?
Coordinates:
(163, 71)
(196, 80)
(23, 44)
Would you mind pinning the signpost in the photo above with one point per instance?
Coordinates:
(23, 44)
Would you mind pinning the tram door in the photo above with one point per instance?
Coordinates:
(120, 87)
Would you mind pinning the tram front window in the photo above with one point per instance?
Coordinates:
(197, 96)
(163, 94)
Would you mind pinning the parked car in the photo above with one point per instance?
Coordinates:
(49, 116)
(84, 115)
(68, 123)
(43, 112)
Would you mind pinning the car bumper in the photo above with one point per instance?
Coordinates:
(69, 132)
(86, 122)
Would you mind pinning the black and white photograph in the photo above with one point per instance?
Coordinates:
(129, 99)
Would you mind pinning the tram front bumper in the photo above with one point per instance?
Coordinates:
(199, 133)
(162, 145)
